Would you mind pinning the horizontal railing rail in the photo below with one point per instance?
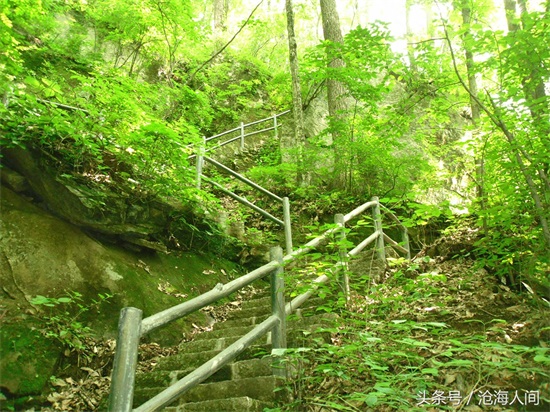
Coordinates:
(241, 129)
(243, 179)
(132, 327)
(201, 159)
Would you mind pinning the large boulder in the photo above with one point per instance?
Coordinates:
(112, 210)
(41, 254)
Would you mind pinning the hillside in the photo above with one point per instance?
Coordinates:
(150, 151)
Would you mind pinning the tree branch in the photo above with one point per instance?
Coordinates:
(518, 151)
(192, 76)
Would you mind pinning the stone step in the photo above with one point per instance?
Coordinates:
(260, 388)
(250, 312)
(250, 321)
(183, 361)
(257, 302)
(242, 404)
(222, 338)
(265, 302)
(241, 320)
(238, 370)
(200, 345)
(299, 336)
(262, 306)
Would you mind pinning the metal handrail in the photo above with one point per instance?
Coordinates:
(242, 135)
(201, 158)
(132, 327)
(243, 179)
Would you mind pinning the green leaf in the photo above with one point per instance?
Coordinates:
(437, 324)
(40, 300)
(278, 352)
(542, 359)
(371, 399)
(430, 371)
(459, 362)
(414, 342)
(31, 81)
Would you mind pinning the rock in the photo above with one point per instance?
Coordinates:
(13, 180)
(41, 254)
(30, 361)
(145, 221)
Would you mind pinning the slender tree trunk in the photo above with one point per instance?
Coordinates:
(430, 29)
(410, 35)
(336, 91)
(299, 136)
(474, 107)
(533, 89)
(541, 206)
(219, 15)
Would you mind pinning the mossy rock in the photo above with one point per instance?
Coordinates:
(42, 255)
(27, 359)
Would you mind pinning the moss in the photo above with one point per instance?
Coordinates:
(185, 274)
(27, 359)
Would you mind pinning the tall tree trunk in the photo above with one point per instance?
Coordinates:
(299, 136)
(474, 107)
(522, 158)
(409, 35)
(336, 91)
(430, 29)
(533, 89)
(219, 15)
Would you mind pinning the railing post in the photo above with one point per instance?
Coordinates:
(278, 335)
(242, 136)
(288, 225)
(343, 254)
(200, 162)
(275, 125)
(124, 367)
(377, 216)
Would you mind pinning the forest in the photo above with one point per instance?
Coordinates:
(441, 109)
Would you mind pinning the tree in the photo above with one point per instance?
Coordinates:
(527, 148)
(219, 15)
(299, 137)
(532, 79)
(466, 13)
(336, 91)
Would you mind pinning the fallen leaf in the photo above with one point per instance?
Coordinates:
(58, 382)
(449, 378)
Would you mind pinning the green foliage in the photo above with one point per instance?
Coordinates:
(380, 357)
(62, 319)
(376, 151)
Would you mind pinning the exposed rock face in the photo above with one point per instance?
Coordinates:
(48, 256)
(143, 221)
(40, 254)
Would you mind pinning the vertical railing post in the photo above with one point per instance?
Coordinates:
(125, 362)
(343, 254)
(275, 125)
(288, 225)
(377, 216)
(242, 136)
(278, 335)
(200, 162)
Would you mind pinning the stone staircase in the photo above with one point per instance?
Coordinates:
(247, 384)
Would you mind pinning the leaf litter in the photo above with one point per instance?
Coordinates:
(85, 385)
(442, 327)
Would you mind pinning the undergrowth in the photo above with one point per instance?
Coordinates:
(432, 336)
